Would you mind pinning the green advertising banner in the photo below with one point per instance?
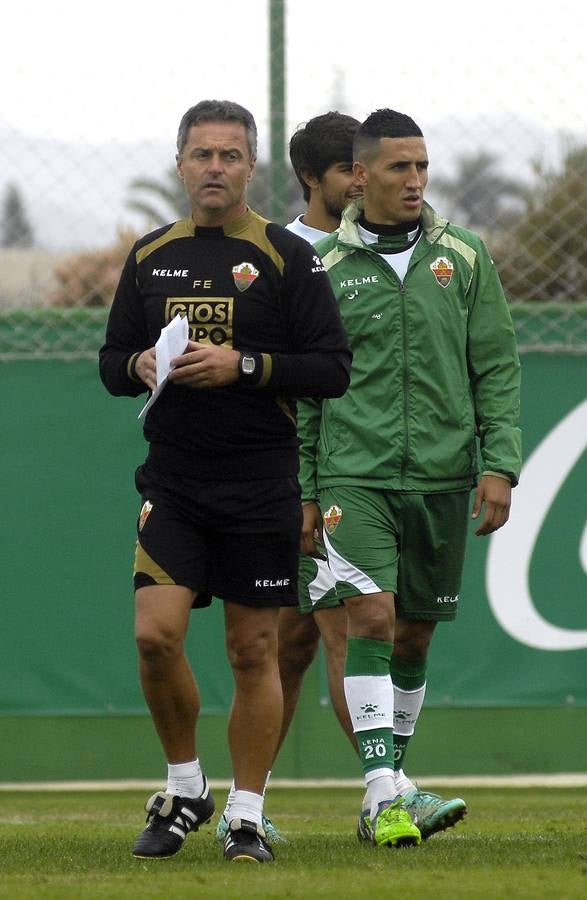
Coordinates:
(67, 455)
(521, 634)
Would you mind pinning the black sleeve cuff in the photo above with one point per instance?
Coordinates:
(131, 368)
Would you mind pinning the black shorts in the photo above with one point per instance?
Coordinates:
(236, 540)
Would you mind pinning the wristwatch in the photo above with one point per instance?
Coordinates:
(247, 366)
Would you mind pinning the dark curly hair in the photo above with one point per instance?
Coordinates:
(319, 143)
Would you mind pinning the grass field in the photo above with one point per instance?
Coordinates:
(515, 843)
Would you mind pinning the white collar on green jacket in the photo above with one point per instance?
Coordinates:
(348, 232)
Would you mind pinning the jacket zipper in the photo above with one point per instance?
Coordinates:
(405, 365)
(405, 382)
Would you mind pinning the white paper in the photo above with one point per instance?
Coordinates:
(171, 343)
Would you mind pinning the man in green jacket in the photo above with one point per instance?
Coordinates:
(387, 469)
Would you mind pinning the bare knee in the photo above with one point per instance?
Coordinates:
(157, 645)
(298, 644)
(333, 627)
(247, 653)
(251, 640)
(161, 621)
(371, 616)
(412, 639)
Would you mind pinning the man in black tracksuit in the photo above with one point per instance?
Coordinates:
(220, 508)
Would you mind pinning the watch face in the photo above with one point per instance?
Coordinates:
(248, 365)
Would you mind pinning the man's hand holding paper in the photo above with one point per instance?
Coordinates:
(171, 343)
(205, 366)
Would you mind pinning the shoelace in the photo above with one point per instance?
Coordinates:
(422, 798)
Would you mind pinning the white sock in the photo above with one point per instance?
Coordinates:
(403, 783)
(185, 779)
(246, 805)
(229, 800)
(232, 791)
(266, 783)
(379, 690)
(380, 787)
(366, 801)
(410, 704)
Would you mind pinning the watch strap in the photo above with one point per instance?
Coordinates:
(255, 376)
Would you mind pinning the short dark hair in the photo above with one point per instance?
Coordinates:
(319, 143)
(383, 123)
(218, 111)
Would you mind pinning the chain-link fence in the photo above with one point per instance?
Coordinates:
(498, 93)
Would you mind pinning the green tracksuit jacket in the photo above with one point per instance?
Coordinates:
(435, 364)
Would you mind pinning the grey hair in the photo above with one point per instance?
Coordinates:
(218, 111)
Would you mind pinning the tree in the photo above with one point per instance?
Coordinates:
(160, 201)
(90, 278)
(544, 255)
(478, 194)
(16, 230)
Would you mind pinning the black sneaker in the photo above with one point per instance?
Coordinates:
(172, 818)
(246, 842)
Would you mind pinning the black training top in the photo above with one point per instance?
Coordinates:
(253, 286)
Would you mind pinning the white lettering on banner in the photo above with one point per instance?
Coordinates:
(510, 549)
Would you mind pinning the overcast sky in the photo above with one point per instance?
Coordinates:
(503, 75)
(129, 69)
